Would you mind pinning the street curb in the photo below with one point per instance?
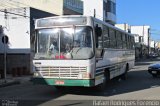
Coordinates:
(9, 84)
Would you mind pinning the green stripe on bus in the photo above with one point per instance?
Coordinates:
(64, 82)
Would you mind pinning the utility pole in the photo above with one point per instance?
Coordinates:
(142, 51)
(154, 47)
(148, 41)
(94, 12)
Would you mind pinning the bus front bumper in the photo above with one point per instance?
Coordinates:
(64, 82)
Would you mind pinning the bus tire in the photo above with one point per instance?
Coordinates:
(125, 74)
(101, 87)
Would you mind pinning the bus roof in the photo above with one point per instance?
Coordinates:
(82, 16)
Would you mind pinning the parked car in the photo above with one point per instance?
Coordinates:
(153, 55)
(154, 69)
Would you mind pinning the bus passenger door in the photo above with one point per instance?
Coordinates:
(99, 42)
(99, 52)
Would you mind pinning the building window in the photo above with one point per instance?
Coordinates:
(111, 7)
(75, 5)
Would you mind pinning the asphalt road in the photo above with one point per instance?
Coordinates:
(140, 85)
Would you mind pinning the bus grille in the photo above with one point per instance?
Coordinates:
(61, 72)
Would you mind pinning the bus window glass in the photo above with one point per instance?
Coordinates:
(48, 41)
(119, 40)
(124, 41)
(65, 43)
(106, 39)
(112, 35)
(127, 42)
(82, 43)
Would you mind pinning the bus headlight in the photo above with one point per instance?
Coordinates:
(84, 75)
(80, 76)
(36, 74)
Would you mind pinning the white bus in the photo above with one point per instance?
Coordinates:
(80, 51)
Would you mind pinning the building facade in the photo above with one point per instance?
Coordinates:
(143, 43)
(144, 38)
(104, 10)
(72, 7)
(125, 27)
(18, 25)
(142, 31)
(58, 7)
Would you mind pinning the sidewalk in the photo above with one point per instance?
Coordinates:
(147, 59)
(14, 80)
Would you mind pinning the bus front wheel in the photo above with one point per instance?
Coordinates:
(102, 86)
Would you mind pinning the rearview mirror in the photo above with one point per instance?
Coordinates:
(98, 31)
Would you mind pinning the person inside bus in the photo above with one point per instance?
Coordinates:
(68, 51)
(68, 47)
(53, 47)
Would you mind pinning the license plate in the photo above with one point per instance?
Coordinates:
(154, 72)
(58, 82)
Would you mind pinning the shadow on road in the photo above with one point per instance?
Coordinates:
(148, 60)
(137, 80)
(141, 63)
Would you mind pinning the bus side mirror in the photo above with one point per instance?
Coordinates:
(98, 31)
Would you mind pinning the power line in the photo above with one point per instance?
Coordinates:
(11, 5)
(13, 13)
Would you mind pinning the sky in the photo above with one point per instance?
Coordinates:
(140, 12)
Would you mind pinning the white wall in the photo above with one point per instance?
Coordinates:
(124, 27)
(141, 31)
(18, 31)
(90, 5)
(136, 38)
(152, 43)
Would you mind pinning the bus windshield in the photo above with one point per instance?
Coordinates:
(64, 43)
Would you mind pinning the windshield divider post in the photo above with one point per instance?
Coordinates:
(59, 43)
